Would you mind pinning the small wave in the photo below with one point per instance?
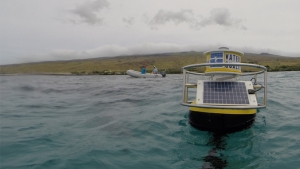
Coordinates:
(31, 127)
(97, 121)
(275, 102)
(2, 81)
(33, 106)
(52, 91)
(43, 140)
(26, 88)
(51, 163)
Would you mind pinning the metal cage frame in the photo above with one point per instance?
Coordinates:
(187, 85)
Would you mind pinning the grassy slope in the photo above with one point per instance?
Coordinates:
(172, 62)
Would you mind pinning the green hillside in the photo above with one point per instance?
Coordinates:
(171, 62)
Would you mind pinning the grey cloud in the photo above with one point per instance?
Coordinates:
(221, 16)
(163, 17)
(129, 21)
(145, 17)
(218, 16)
(88, 11)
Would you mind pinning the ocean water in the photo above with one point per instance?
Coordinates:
(118, 122)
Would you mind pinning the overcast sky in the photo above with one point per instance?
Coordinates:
(48, 30)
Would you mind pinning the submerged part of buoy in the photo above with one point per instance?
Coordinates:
(215, 122)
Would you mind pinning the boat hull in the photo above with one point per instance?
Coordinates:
(138, 74)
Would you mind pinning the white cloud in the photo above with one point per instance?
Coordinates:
(88, 12)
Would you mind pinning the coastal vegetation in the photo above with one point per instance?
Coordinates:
(170, 62)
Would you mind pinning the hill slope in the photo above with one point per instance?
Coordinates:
(171, 62)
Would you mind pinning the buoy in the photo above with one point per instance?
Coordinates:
(221, 101)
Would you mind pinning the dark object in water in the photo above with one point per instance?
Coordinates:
(218, 140)
(163, 73)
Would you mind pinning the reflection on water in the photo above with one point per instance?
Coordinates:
(215, 160)
(217, 139)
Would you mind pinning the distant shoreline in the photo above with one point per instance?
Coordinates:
(69, 74)
(53, 74)
(172, 63)
(56, 74)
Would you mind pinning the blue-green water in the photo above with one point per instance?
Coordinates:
(119, 122)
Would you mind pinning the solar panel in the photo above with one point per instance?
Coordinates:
(225, 93)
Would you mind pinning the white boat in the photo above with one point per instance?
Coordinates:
(138, 74)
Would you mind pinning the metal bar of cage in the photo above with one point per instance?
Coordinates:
(187, 85)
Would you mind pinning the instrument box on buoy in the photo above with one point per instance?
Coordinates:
(223, 55)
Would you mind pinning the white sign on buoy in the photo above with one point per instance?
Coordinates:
(223, 55)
